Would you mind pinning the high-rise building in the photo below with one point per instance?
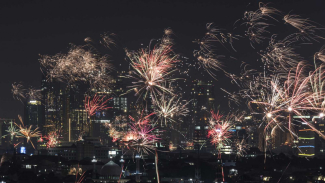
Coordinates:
(319, 123)
(33, 116)
(76, 114)
(201, 106)
(33, 113)
(55, 106)
(306, 137)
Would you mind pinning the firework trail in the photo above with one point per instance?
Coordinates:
(81, 178)
(211, 63)
(108, 40)
(257, 24)
(307, 28)
(320, 55)
(141, 120)
(280, 54)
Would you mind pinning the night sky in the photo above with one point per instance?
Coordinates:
(29, 28)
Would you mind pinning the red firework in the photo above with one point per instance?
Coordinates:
(141, 120)
(96, 104)
(219, 129)
(52, 139)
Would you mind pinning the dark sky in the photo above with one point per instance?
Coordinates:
(29, 28)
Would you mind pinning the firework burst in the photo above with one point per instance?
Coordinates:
(152, 69)
(140, 139)
(52, 139)
(78, 65)
(295, 97)
(18, 91)
(168, 109)
(12, 131)
(219, 132)
(241, 147)
(95, 104)
(27, 132)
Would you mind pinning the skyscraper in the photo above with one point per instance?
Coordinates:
(203, 102)
(33, 113)
(54, 101)
(306, 137)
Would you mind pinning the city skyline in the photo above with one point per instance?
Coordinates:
(121, 91)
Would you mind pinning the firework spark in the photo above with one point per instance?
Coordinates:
(52, 139)
(320, 55)
(95, 104)
(293, 98)
(152, 69)
(12, 131)
(27, 132)
(241, 147)
(141, 120)
(140, 139)
(18, 91)
(219, 129)
(168, 109)
(78, 65)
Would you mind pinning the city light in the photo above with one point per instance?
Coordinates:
(247, 90)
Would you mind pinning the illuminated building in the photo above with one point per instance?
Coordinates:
(33, 113)
(306, 137)
(64, 108)
(55, 110)
(251, 126)
(119, 104)
(203, 102)
(319, 123)
(33, 116)
(76, 114)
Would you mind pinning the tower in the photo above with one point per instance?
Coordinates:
(137, 172)
(203, 102)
